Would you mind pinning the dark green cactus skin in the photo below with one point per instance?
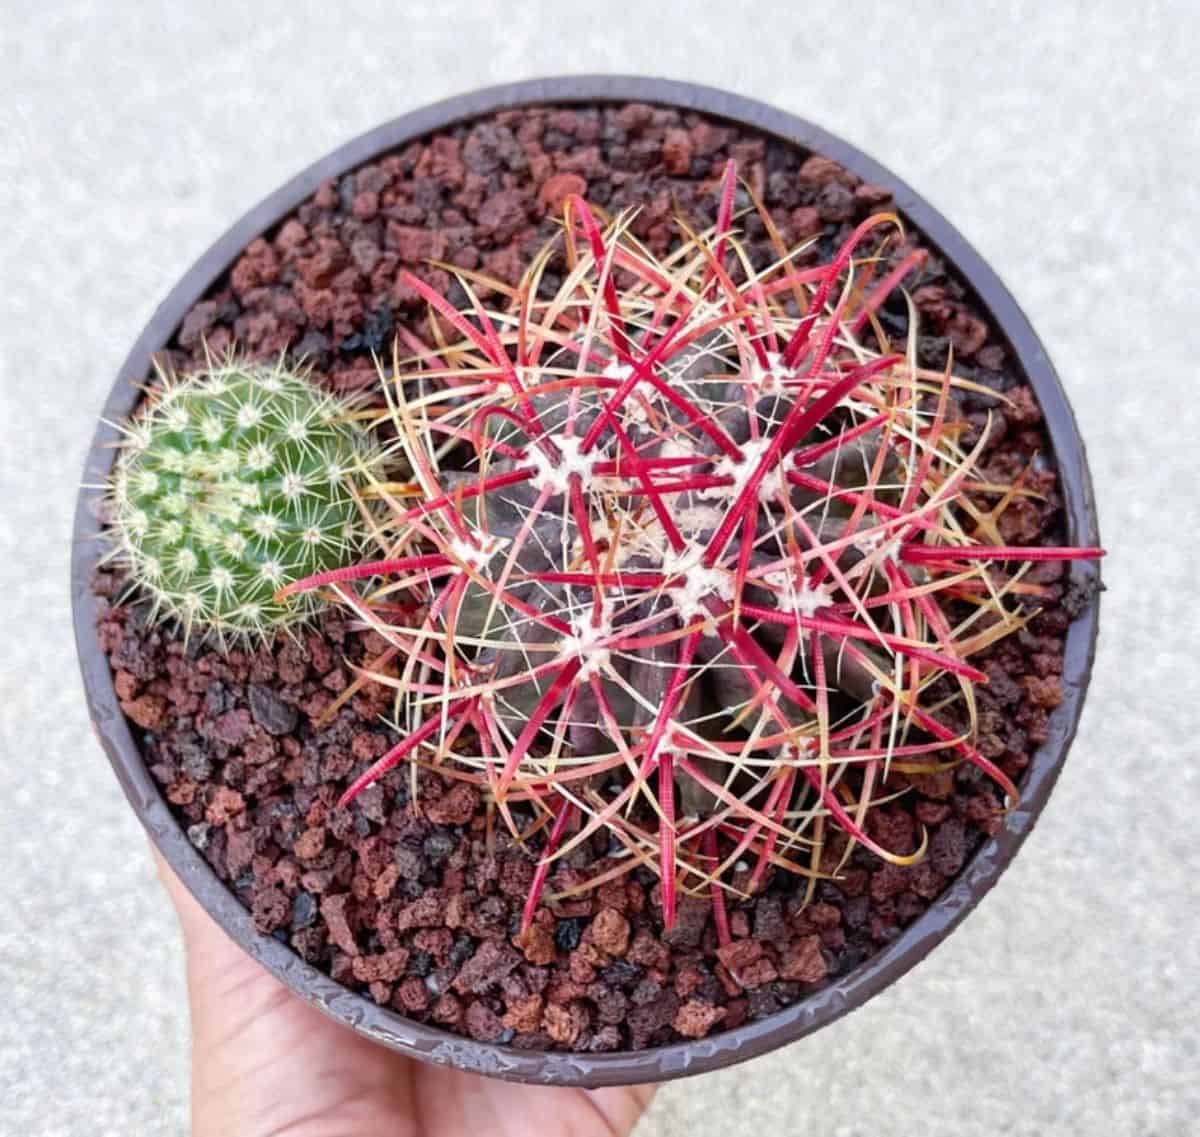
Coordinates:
(238, 480)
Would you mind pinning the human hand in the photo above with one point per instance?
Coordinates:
(265, 1064)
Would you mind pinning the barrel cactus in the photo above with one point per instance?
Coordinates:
(234, 481)
(688, 540)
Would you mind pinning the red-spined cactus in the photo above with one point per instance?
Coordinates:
(686, 537)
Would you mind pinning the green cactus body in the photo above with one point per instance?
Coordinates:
(238, 480)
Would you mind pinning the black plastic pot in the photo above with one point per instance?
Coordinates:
(840, 996)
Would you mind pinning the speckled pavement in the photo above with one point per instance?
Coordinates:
(1060, 138)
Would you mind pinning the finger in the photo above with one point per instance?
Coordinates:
(198, 927)
(622, 1106)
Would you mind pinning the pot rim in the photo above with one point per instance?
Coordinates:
(681, 1059)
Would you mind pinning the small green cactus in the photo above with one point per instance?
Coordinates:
(239, 479)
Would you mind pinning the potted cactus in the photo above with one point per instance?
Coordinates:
(646, 651)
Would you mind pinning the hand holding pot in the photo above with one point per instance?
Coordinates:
(264, 1062)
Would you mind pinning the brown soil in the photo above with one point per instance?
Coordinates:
(415, 900)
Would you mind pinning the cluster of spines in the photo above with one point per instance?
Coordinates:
(231, 482)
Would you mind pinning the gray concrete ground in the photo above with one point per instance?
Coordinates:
(1061, 138)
